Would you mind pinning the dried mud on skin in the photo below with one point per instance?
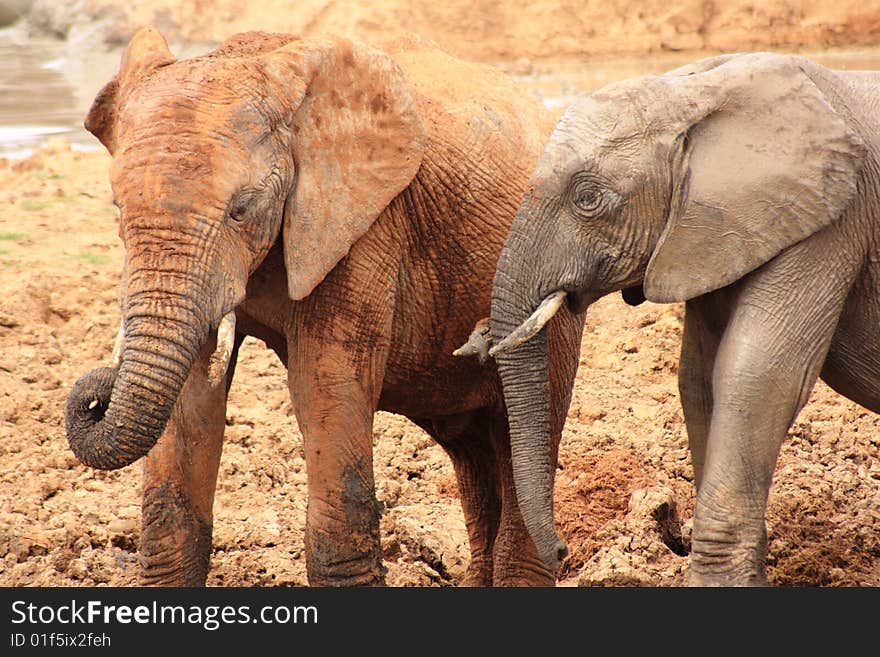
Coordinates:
(624, 484)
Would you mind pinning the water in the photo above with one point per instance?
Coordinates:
(44, 91)
(37, 98)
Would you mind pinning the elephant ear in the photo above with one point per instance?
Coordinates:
(146, 52)
(766, 163)
(357, 141)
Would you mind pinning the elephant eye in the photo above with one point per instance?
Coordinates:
(238, 208)
(587, 200)
(592, 199)
(587, 197)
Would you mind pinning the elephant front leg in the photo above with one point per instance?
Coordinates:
(767, 362)
(180, 475)
(342, 521)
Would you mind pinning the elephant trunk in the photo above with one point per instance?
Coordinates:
(523, 366)
(114, 417)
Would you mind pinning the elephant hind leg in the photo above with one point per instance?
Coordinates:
(465, 438)
(704, 322)
(773, 347)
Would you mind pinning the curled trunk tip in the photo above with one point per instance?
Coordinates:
(87, 432)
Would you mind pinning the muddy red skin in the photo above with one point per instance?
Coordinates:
(349, 205)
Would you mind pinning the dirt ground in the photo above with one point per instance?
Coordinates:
(624, 485)
(496, 30)
(624, 490)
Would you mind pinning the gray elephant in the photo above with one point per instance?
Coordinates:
(747, 186)
(335, 201)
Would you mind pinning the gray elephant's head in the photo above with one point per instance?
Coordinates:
(268, 139)
(666, 187)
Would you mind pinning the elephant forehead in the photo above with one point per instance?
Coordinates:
(176, 172)
(175, 131)
(627, 111)
(203, 97)
(597, 135)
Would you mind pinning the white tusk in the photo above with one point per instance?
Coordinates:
(116, 358)
(530, 328)
(220, 358)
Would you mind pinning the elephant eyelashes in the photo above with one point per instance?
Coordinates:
(238, 208)
(587, 200)
(590, 200)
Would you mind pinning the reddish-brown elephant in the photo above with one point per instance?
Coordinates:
(347, 206)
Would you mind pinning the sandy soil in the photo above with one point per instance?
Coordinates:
(491, 30)
(624, 489)
(624, 484)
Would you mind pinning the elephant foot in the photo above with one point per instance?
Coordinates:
(696, 578)
(347, 581)
(331, 564)
(728, 554)
(342, 543)
(523, 574)
(360, 570)
(702, 580)
(479, 573)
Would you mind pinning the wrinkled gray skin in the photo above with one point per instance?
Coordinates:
(747, 186)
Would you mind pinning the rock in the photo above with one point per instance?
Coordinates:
(124, 534)
(404, 573)
(388, 492)
(586, 413)
(612, 567)
(50, 485)
(20, 547)
(643, 411)
(77, 569)
(122, 526)
(94, 485)
(646, 545)
(435, 535)
(61, 560)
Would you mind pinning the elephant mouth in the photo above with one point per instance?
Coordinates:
(576, 302)
(478, 344)
(634, 295)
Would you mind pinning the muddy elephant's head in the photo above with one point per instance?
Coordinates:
(666, 187)
(268, 138)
